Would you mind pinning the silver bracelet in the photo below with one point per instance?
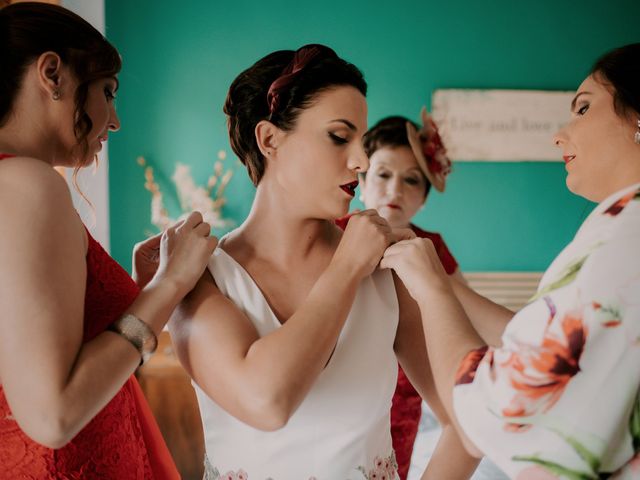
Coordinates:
(138, 333)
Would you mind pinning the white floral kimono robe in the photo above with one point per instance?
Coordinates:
(560, 397)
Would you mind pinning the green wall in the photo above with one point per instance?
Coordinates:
(180, 57)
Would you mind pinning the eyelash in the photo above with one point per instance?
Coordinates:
(338, 140)
(109, 94)
(410, 181)
(583, 109)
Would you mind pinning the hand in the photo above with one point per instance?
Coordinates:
(417, 264)
(185, 249)
(146, 258)
(365, 239)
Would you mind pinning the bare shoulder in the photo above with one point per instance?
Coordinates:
(29, 179)
(35, 200)
(32, 187)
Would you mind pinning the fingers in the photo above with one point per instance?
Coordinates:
(367, 212)
(395, 249)
(203, 229)
(412, 246)
(398, 234)
(185, 231)
(370, 225)
(175, 226)
(372, 213)
(193, 219)
(151, 243)
(391, 255)
(388, 261)
(213, 243)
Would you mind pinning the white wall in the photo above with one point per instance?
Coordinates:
(94, 182)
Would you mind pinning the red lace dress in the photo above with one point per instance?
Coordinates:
(123, 440)
(406, 408)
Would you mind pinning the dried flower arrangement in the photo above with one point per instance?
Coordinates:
(207, 200)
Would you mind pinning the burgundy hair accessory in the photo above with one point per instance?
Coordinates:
(429, 150)
(301, 58)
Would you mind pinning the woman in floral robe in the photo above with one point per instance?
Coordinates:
(553, 391)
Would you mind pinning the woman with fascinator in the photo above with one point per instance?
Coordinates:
(293, 335)
(406, 161)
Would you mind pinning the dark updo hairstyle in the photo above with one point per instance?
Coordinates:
(30, 29)
(278, 88)
(621, 69)
(391, 132)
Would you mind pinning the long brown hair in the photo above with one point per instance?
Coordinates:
(29, 29)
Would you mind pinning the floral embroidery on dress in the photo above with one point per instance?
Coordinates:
(382, 469)
(212, 473)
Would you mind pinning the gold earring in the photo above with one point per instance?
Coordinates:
(56, 95)
(636, 138)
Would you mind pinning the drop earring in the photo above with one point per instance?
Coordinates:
(636, 138)
(56, 95)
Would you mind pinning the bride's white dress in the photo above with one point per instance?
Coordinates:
(341, 430)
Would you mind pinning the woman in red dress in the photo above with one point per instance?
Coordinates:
(404, 164)
(74, 325)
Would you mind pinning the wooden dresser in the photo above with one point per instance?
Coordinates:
(173, 402)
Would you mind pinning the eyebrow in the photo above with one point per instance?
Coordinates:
(347, 123)
(575, 99)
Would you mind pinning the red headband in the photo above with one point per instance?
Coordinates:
(301, 58)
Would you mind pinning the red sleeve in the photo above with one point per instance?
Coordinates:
(342, 222)
(446, 258)
(448, 261)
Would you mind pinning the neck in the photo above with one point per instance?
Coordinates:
(290, 235)
(397, 223)
(627, 175)
(400, 225)
(618, 186)
(24, 142)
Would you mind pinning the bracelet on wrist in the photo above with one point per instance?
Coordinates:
(138, 333)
